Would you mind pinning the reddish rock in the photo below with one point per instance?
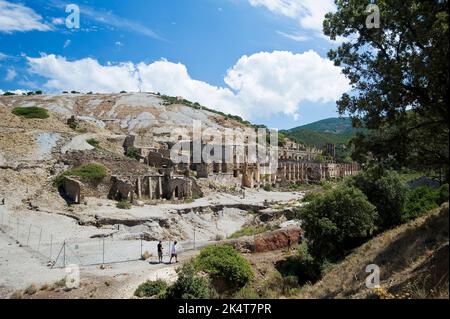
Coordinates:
(277, 239)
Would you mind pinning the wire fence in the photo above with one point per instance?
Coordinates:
(56, 252)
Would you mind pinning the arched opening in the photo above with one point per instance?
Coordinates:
(177, 192)
(309, 173)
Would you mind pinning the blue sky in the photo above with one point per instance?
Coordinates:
(262, 59)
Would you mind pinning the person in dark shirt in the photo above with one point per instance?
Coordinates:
(160, 252)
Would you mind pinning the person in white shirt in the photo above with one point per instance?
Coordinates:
(174, 252)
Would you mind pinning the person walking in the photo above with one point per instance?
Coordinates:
(174, 252)
(160, 252)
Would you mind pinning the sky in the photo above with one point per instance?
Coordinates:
(265, 60)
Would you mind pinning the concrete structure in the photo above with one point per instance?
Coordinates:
(73, 190)
(153, 187)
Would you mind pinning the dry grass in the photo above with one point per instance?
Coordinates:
(413, 261)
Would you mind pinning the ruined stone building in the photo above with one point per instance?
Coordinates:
(295, 163)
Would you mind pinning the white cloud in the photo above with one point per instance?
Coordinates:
(67, 43)
(278, 82)
(309, 13)
(17, 17)
(84, 75)
(16, 92)
(262, 84)
(288, 8)
(3, 56)
(58, 21)
(173, 79)
(112, 20)
(295, 37)
(10, 74)
(118, 44)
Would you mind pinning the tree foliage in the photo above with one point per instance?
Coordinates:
(385, 190)
(337, 221)
(399, 75)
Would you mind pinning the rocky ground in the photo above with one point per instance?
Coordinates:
(21, 264)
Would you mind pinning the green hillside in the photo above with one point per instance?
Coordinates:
(338, 131)
(332, 125)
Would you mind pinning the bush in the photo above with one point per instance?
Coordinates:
(386, 191)
(423, 199)
(302, 265)
(93, 142)
(248, 292)
(224, 263)
(268, 188)
(92, 173)
(189, 285)
(124, 204)
(31, 112)
(337, 221)
(326, 185)
(309, 197)
(132, 153)
(278, 285)
(30, 290)
(151, 289)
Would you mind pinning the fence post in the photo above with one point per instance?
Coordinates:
(51, 246)
(64, 254)
(17, 237)
(29, 232)
(140, 257)
(39, 242)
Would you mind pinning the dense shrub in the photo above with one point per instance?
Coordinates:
(189, 285)
(268, 188)
(310, 197)
(31, 112)
(301, 265)
(225, 264)
(124, 204)
(132, 152)
(422, 199)
(386, 191)
(151, 288)
(337, 221)
(92, 173)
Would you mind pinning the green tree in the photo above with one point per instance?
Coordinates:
(385, 190)
(399, 75)
(225, 264)
(338, 221)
